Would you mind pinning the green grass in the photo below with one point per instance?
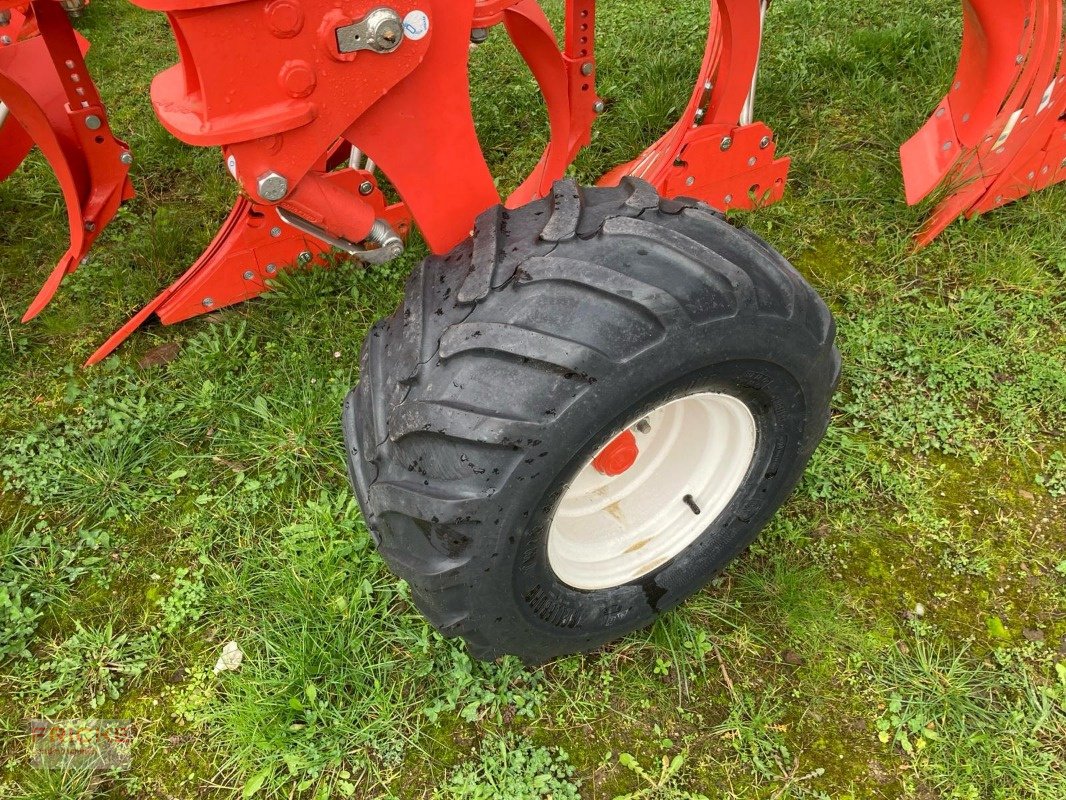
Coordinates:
(897, 632)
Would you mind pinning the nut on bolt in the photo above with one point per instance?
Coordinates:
(385, 28)
(273, 187)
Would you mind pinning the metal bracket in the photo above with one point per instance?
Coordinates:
(389, 244)
(380, 31)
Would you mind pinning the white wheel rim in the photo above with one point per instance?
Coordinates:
(694, 454)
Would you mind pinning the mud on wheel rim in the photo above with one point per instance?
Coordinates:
(652, 491)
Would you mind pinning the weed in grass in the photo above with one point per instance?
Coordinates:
(94, 665)
(1053, 478)
(755, 730)
(62, 784)
(478, 691)
(184, 605)
(661, 785)
(513, 767)
(985, 379)
(38, 565)
(792, 597)
(98, 457)
(975, 728)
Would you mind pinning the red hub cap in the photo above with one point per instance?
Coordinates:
(618, 456)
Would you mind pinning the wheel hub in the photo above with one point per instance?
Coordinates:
(652, 491)
(617, 457)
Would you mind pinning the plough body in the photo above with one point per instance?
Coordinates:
(1000, 133)
(49, 96)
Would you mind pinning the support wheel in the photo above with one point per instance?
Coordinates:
(581, 415)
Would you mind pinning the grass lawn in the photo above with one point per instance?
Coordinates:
(898, 631)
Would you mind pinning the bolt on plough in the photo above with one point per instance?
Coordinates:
(585, 409)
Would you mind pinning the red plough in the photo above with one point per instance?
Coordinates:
(253, 244)
(714, 152)
(1000, 133)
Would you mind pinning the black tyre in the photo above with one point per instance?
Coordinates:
(593, 319)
